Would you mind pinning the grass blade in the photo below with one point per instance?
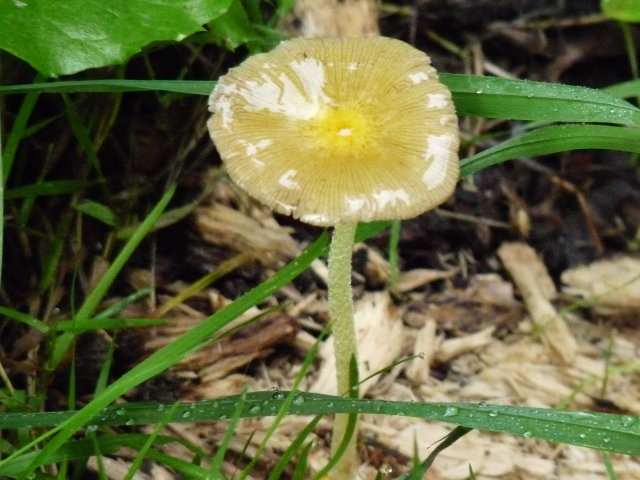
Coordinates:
(493, 97)
(553, 139)
(473, 95)
(603, 431)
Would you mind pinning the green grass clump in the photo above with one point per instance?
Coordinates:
(35, 438)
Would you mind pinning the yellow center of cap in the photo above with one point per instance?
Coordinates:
(341, 130)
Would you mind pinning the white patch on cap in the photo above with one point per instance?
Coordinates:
(418, 77)
(282, 95)
(252, 148)
(437, 100)
(314, 219)
(287, 181)
(438, 154)
(355, 204)
(285, 208)
(345, 132)
(352, 66)
(385, 198)
(257, 163)
(222, 106)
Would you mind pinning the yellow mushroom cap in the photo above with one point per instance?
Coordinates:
(338, 130)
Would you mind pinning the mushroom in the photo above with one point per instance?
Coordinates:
(336, 132)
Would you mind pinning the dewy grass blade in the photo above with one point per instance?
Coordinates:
(553, 139)
(473, 95)
(603, 431)
(525, 100)
(193, 87)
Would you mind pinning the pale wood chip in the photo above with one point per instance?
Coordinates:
(419, 277)
(116, 469)
(425, 346)
(379, 335)
(532, 279)
(376, 269)
(611, 287)
(232, 384)
(454, 347)
(334, 18)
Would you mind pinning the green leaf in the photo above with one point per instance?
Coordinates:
(233, 28)
(621, 10)
(65, 37)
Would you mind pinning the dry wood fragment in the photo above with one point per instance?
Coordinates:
(418, 277)
(334, 18)
(453, 347)
(425, 346)
(611, 287)
(226, 227)
(532, 279)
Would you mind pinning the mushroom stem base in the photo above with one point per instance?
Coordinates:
(344, 338)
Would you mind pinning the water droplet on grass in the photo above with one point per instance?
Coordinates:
(255, 410)
(450, 412)
(627, 420)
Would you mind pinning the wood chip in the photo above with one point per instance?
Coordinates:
(537, 289)
(334, 18)
(226, 227)
(611, 287)
(425, 346)
(419, 277)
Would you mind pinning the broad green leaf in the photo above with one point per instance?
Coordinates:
(65, 37)
(621, 10)
(553, 139)
(234, 27)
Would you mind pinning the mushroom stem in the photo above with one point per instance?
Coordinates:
(344, 338)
